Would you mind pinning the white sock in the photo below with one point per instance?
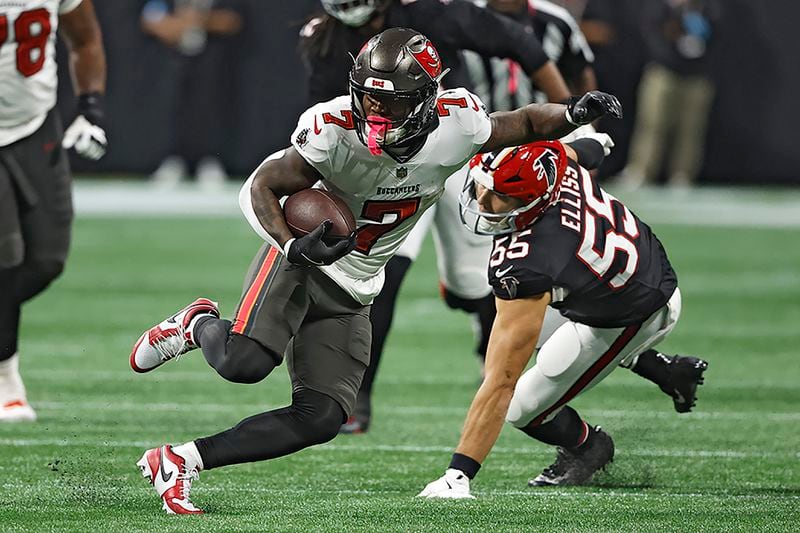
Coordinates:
(11, 386)
(193, 323)
(190, 452)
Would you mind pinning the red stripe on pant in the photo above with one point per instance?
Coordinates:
(587, 377)
(251, 296)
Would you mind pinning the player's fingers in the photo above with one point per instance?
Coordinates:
(320, 231)
(70, 136)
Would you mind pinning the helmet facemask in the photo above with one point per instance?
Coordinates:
(531, 174)
(397, 73)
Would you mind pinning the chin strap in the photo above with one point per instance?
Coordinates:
(377, 126)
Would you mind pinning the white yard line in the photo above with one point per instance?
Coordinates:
(538, 493)
(280, 376)
(391, 448)
(411, 410)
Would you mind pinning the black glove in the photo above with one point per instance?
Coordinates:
(591, 106)
(311, 250)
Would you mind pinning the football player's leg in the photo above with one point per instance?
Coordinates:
(678, 376)
(574, 359)
(35, 220)
(46, 220)
(273, 305)
(12, 390)
(462, 262)
(381, 316)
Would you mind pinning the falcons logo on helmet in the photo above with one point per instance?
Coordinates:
(546, 167)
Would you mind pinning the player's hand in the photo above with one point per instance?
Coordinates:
(453, 485)
(88, 140)
(311, 250)
(86, 133)
(591, 106)
(604, 139)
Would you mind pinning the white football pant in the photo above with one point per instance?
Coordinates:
(577, 357)
(461, 256)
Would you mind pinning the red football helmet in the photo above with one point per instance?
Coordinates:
(531, 173)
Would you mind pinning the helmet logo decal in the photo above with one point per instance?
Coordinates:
(428, 59)
(546, 167)
(378, 83)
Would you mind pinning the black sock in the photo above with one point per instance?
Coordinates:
(486, 314)
(566, 430)
(312, 418)
(483, 308)
(652, 365)
(9, 313)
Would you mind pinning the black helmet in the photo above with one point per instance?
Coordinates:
(401, 69)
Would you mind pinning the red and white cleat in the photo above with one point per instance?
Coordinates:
(17, 411)
(171, 475)
(171, 338)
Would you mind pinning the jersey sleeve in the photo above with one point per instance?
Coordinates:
(65, 6)
(465, 116)
(529, 262)
(313, 140)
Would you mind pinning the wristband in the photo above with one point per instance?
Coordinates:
(287, 245)
(468, 465)
(90, 105)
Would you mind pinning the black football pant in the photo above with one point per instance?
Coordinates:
(35, 222)
(312, 418)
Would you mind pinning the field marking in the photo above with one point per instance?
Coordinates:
(401, 448)
(281, 376)
(597, 491)
(414, 410)
(712, 206)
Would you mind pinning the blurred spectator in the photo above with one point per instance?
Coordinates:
(501, 83)
(327, 41)
(675, 94)
(611, 28)
(194, 31)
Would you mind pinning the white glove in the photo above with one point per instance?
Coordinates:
(454, 485)
(603, 138)
(89, 140)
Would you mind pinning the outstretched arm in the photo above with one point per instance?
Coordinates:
(536, 122)
(514, 334)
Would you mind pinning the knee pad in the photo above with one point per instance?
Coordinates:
(246, 361)
(35, 276)
(320, 415)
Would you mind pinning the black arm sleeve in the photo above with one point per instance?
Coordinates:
(590, 152)
(464, 25)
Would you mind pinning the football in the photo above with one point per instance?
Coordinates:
(305, 210)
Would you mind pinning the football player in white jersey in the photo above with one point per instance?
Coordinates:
(386, 150)
(35, 197)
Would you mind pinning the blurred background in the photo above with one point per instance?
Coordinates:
(237, 92)
(205, 107)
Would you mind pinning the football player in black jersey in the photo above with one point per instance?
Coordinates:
(561, 241)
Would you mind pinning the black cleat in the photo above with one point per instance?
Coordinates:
(685, 373)
(576, 466)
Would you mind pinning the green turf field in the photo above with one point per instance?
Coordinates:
(732, 465)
